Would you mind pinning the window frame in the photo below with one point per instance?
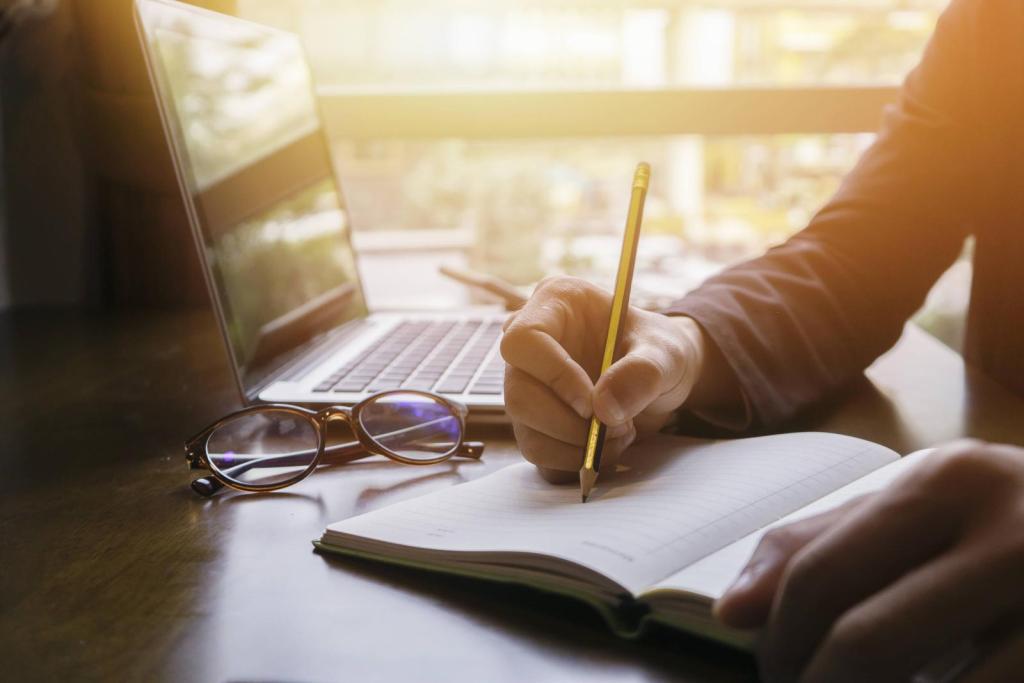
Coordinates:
(508, 114)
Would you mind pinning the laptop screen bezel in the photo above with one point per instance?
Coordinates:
(248, 388)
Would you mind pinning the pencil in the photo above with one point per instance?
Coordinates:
(620, 304)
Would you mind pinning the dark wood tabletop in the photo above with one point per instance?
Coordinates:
(113, 569)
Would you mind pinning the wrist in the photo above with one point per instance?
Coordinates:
(692, 348)
(714, 385)
(688, 348)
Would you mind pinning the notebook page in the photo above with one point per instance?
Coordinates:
(711, 575)
(681, 500)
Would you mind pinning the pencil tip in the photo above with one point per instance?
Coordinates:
(587, 479)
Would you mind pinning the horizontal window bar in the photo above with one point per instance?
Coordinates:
(861, 7)
(557, 113)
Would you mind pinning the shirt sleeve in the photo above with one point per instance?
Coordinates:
(812, 313)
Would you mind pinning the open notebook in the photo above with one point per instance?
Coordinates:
(661, 541)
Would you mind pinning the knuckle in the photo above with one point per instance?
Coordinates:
(963, 453)
(547, 281)
(779, 540)
(564, 287)
(966, 467)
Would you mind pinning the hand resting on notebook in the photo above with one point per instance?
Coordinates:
(880, 587)
(553, 348)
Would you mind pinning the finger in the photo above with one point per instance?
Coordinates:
(558, 476)
(534, 405)
(649, 377)
(508, 320)
(874, 545)
(531, 344)
(915, 519)
(919, 617)
(615, 447)
(747, 602)
(552, 454)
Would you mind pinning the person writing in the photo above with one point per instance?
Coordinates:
(888, 583)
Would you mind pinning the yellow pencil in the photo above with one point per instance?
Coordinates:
(620, 304)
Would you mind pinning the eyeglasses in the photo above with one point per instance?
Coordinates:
(271, 446)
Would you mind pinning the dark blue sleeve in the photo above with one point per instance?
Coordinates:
(812, 313)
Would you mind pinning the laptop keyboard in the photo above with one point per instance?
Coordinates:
(445, 356)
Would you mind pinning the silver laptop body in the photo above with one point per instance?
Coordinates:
(273, 235)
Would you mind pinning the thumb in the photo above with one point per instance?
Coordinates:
(648, 378)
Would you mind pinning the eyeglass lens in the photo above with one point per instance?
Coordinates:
(414, 426)
(267, 448)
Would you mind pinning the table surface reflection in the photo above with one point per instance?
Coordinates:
(113, 569)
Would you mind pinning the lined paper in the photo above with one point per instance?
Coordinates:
(681, 500)
(711, 575)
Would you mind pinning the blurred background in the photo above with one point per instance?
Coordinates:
(496, 135)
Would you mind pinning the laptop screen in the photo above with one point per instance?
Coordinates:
(252, 159)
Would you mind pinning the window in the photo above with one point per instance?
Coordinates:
(502, 135)
(602, 43)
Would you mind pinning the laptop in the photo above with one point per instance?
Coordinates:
(269, 220)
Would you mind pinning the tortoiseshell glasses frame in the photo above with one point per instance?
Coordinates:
(366, 444)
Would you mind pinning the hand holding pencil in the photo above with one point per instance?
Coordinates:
(554, 385)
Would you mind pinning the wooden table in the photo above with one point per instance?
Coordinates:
(113, 569)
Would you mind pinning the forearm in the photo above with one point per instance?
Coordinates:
(783, 331)
(807, 317)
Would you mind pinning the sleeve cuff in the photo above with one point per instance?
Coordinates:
(738, 417)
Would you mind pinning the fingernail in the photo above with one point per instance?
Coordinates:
(582, 407)
(612, 408)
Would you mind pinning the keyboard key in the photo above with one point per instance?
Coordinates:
(350, 385)
(452, 386)
(487, 389)
(419, 385)
(385, 385)
(417, 354)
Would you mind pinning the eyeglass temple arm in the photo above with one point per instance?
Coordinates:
(341, 453)
(333, 455)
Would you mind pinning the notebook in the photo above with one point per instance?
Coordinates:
(658, 542)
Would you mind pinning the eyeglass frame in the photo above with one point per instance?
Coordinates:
(364, 446)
